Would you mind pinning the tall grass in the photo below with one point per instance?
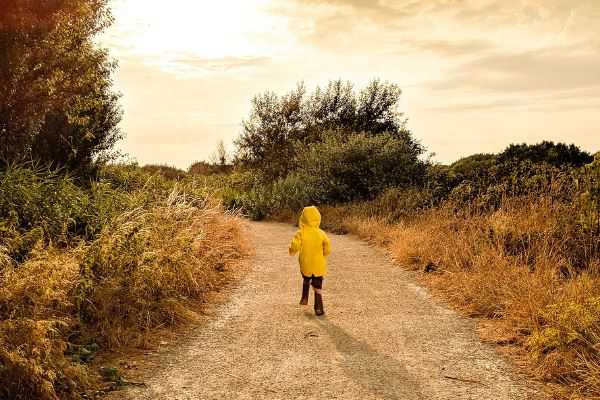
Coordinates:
(519, 247)
(103, 267)
(531, 265)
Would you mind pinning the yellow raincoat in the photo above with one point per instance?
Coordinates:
(312, 243)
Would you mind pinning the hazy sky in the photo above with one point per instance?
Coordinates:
(476, 75)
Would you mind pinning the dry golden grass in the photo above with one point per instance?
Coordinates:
(147, 270)
(513, 267)
(37, 310)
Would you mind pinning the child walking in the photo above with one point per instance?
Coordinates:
(313, 245)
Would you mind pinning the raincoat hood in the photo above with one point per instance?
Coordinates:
(311, 217)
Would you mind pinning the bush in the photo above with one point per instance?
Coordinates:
(205, 168)
(488, 190)
(95, 271)
(167, 171)
(558, 154)
(37, 204)
(473, 167)
(359, 166)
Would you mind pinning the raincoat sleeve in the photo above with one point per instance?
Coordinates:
(326, 245)
(296, 243)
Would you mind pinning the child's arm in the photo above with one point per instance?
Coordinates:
(296, 243)
(326, 245)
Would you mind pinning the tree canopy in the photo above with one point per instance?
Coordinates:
(557, 154)
(57, 105)
(276, 123)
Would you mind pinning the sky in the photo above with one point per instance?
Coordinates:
(476, 75)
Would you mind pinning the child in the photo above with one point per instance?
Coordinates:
(313, 245)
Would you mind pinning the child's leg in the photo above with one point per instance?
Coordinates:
(305, 290)
(317, 284)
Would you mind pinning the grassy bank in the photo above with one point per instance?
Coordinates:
(526, 268)
(521, 253)
(100, 266)
(508, 267)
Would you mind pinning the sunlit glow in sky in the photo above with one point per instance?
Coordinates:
(171, 36)
(476, 74)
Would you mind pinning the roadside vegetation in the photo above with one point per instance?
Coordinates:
(512, 238)
(97, 255)
(94, 256)
(88, 269)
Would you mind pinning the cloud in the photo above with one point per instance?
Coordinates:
(464, 66)
(547, 103)
(373, 8)
(557, 68)
(452, 47)
(222, 64)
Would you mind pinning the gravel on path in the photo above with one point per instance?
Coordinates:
(382, 337)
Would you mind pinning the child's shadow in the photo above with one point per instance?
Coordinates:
(378, 373)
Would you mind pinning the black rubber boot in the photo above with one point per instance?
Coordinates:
(319, 304)
(305, 290)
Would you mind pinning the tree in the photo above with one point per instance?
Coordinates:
(276, 123)
(220, 156)
(333, 107)
(377, 110)
(559, 154)
(56, 103)
(218, 163)
(270, 131)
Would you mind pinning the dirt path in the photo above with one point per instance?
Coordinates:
(383, 337)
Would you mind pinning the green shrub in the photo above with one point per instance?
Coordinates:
(565, 325)
(167, 171)
(588, 203)
(556, 154)
(89, 268)
(473, 166)
(359, 166)
(37, 204)
(276, 122)
(508, 180)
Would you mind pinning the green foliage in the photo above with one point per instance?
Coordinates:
(588, 180)
(339, 168)
(167, 171)
(36, 205)
(482, 181)
(558, 154)
(276, 123)
(488, 189)
(566, 325)
(270, 130)
(438, 182)
(57, 105)
(40, 205)
(473, 167)
(359, 166)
